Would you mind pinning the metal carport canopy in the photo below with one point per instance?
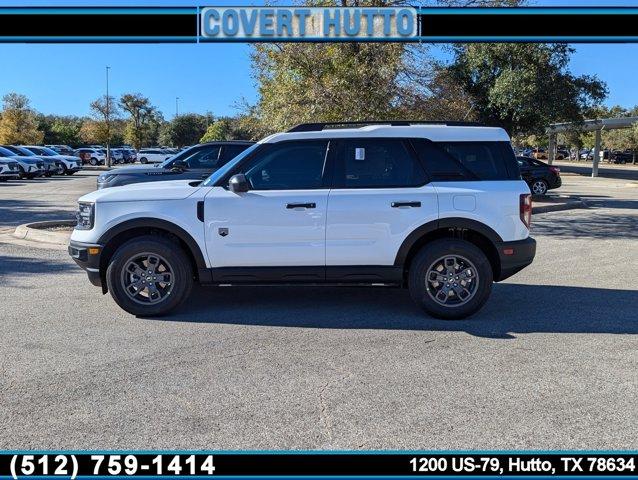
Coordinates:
(596, 125)
(591, 125)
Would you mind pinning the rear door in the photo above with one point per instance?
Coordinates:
(380, 195)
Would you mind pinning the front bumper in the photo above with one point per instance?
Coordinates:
(87, 256)
(9, 175)
(515, 256)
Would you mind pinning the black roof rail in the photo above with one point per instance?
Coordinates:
(315, 127)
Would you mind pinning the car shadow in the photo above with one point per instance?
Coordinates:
(12, 267)
(512, 309)
(16, 212)
(590, 223)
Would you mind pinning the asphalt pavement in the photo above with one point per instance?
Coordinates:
(549, 363)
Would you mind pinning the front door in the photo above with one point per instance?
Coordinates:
(281, 220)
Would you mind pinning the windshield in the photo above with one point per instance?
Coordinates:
(23, 152)
(180, 156)
(40, 151)
(210, 181)
(5, 152)
(48, 151)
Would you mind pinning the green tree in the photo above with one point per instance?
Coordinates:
(18, 122)
(143, 117)
(184, 130)
(58, 129)
(104, 112)
(523, 87)
(220, 130)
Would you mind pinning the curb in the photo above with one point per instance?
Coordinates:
(33, 232)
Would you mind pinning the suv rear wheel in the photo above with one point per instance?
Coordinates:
(450, 279)
(149, 276)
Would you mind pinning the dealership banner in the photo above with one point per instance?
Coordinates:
(318, 24)
(201, 464)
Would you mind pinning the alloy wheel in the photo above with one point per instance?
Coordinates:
(147, 278)
(539, 187)
(452, 281)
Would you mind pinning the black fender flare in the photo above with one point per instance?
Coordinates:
(149, 222)
(444, 223)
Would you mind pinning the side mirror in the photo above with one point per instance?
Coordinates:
(178, 165)
(238, 183)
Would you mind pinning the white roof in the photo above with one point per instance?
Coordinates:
(436, 133)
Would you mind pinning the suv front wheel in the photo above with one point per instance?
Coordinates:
(149, 276)
(450, 279)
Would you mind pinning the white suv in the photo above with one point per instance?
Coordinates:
(438, 208)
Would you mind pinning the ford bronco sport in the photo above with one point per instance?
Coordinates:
(439, 208)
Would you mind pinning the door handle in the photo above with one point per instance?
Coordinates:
(406, 204)
(301, 205)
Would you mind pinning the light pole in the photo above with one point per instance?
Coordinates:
(176, 107)
(108, 125)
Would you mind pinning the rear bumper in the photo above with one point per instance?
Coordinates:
(85, 255)
(515, 256)
(555, 182)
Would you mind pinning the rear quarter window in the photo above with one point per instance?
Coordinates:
(463, 161)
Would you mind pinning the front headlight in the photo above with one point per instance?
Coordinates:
(85, 216)
(105, 177)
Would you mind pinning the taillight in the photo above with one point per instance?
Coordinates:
(555, 170)
(525, 209)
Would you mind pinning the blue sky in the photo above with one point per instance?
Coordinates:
(64, 79)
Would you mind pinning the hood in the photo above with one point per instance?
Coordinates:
(29, 160)
(136, 192)
(135, 169)
(68, 158)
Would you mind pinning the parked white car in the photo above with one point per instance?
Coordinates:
(8, 169)
(94, 156)
(438, 209)
(68, 164)
(28, 167)
(153, 155)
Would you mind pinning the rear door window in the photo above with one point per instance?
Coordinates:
(377, 163)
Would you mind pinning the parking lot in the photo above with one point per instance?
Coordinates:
(549, 363)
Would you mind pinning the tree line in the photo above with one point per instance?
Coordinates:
(131, 119)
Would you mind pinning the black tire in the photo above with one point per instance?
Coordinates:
(180, 268)
(94, 161)
(68, 172)
(143, 160)
(21, 173)
(422, 292)
(65, 171)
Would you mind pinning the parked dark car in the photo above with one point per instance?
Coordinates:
(622, 157)
(539, 176)
(196, 163)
